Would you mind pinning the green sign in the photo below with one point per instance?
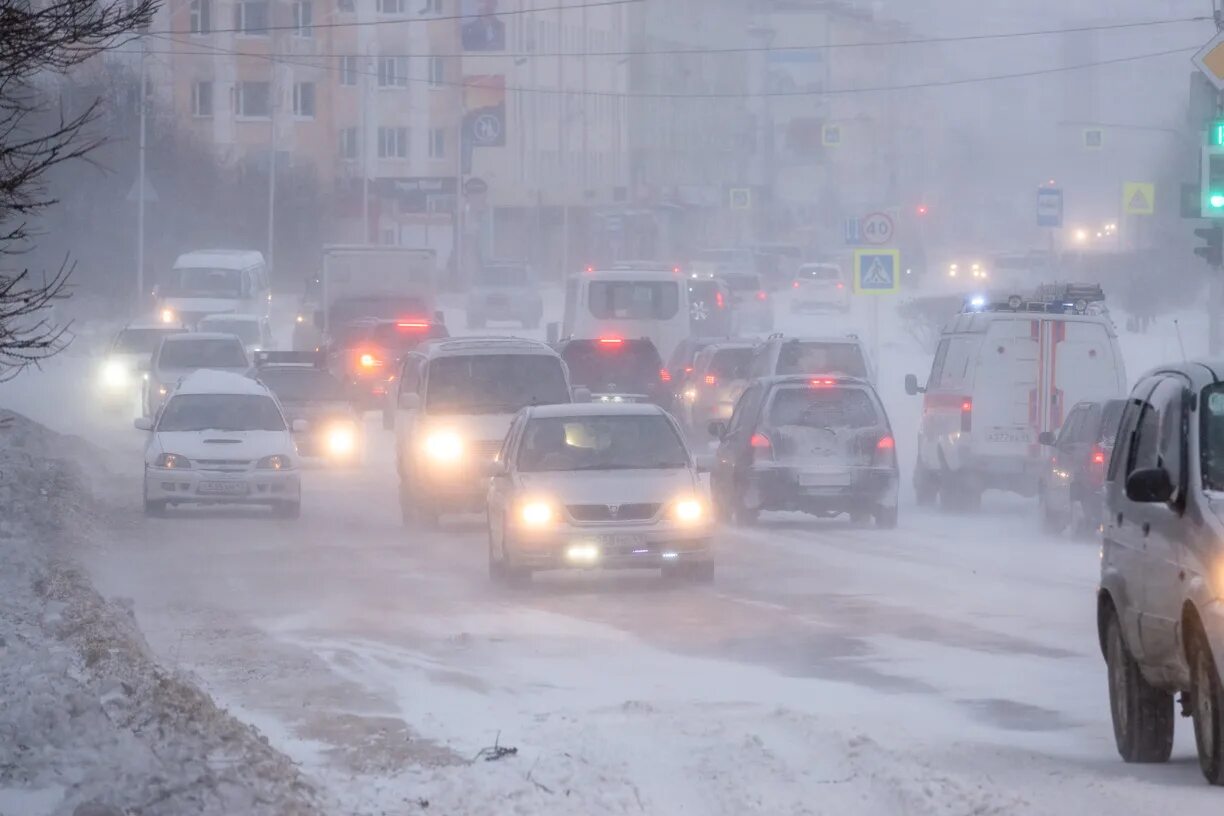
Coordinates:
(1215, 134)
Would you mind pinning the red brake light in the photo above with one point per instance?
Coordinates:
(762, 294)
(718, 299)
(688, 369)
(841, 285)
(823, 382)
(590, 269)
(795, 285)
(367, 360)
(412, 324)
(664, 375)
(675, 270)
(966, 406)
(886, 443)
(760, 441)
(611, 341)
(711, 379)
(1098, 456)
(967, 415)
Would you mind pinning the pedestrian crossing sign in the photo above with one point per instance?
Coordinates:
(1139, 198)
(877, 271)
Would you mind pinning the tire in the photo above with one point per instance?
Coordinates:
(1052, 522)
(503, 571)
(886, 518)
(1142, 714)
(497, 568)
(1206, 709)
(288, 510)
(154, 508)
(860, 518)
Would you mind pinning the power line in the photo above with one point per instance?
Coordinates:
(756, 49)
(712, 95)
(398, 21)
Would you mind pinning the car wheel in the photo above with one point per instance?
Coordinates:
(1142, 714)
(1052, 521)
(497, 567)
(155, 508)
(886, 518)
(860, 517)
(1208, 736)
(510, 575)
(288, 510)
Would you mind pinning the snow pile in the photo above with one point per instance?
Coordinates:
(86, 716)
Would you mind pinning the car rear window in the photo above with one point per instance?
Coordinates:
(628, 365)
(303, 385)
(817, 357)
(405, 335)
(210, 353)
(494, 383)
(731, 363)
(379, 308)
(820, 273)
(245, 330)
(634, 300)
(141, 341)
(823, 407)
(503, 276)
(740, 282)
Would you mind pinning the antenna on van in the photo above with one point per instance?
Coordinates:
(1181, 344)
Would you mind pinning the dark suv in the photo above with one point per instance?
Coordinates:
(1160, 606)
(820, 445)
(1071, 488)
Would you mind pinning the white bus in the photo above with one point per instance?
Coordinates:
(650, 302)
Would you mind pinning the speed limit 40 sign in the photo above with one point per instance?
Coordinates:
(877, 228)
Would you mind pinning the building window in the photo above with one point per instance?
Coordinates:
(254, 100)
(348, 70)
(392, 6)
(304, 100)
(432, 7)
(346, 6)
(393, 143)
(437, 72)
(349, 143)
(392, 72)
(251, 17)
(303, 18)
(202, 98)
(201, 16)
(437, 143)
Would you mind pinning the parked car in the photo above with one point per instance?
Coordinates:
(1072, 487)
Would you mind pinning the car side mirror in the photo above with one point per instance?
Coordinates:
(1046, 438)
(1149, 486)
(143, 423)
(299, 426)
(717, 429)
(409, 402)
(582, 393)
(911, 385)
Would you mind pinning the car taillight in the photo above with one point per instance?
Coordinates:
(368, 360)
(611, 341)
(886, 450)
(710, 379)
(762, 294)
(718, 300)
(967, 415)
(412, 325)
(664, 375)
(1098, 456)
(795, 285)
(841, 285)
(760, 445)
(822, 382)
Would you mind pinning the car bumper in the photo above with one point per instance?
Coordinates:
(204, 487)
(793, 488)
(611, 547)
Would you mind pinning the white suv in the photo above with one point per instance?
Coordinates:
(220, 438)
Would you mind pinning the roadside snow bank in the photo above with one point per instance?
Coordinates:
(86, 716)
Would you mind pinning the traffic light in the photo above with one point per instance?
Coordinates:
(1212, 250)
(1213, 182)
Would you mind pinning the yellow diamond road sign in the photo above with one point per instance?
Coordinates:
(1210, 60)
(1139, 198)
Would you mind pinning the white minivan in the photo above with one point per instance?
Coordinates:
(1003, 374)
(643, 302)
(213, 281)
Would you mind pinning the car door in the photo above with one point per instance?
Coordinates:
(1068, 440)
(405, 418)
(501, 485)
(734, 454)
(1161, 443)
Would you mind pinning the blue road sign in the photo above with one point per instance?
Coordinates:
(1049, 207)
(853, 231)
(876, 271)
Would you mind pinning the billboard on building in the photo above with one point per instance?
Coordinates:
(481, 29)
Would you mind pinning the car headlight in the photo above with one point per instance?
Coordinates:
(162, 390)
(172, 461)
(274, 462)
(341, 440)
(688, 511)
(168, 316)
(537, 513)
(443, 446)
(114, 374)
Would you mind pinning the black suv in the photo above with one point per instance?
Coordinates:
(618, 370)
(1071, 487)
(1160, 606)
(820, 445)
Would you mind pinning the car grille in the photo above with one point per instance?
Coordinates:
(605, 512)
(222, 464)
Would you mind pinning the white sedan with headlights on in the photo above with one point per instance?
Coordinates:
(220, 438)
(120, 376)
(597, 486)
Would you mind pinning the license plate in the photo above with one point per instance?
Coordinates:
(1007, 436)
(622, 541)
(836, 479)
(223, 488)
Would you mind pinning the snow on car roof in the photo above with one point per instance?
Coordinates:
(211, 381)
(585, 409)
(191, 337)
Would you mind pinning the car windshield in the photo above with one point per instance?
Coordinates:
(820, 273)
(381, 308)
(823, 407)
(220, 412)
(815, 358)
(405, 335)
(634, 300)
(741, 283)
(200, 281)
(303, 385)
(626, 366)
(601, 443)
(503, 275)
(731, 364)
(494, 383)
(245, 330)
(141, 341)
(1111, 418)
(1211, 440)
(203, 353)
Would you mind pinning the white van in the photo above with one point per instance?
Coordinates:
(214, 281)
(646, 302)
(1002, 375)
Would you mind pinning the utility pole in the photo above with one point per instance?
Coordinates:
(140, 177)
(272, 100)
(1215, 299)
(365, 136)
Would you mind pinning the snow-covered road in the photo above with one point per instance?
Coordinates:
(946, 667)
